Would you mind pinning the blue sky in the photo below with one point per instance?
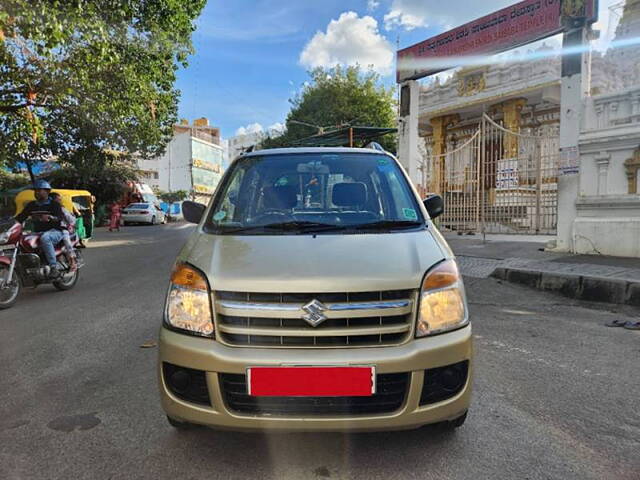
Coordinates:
(253, 55)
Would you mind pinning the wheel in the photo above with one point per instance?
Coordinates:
(178, 424)
(126, 224)
(153, 220)
(68, 280)
(8, 294)
(457, 422)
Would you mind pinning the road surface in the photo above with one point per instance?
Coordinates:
(556, 393)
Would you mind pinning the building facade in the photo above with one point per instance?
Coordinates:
(193, 162)
(488, 140)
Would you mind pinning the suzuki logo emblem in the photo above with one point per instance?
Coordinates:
(314, 315)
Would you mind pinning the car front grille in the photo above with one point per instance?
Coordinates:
(346, 319)
(390, 393)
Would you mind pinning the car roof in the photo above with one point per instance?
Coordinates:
(302, 150)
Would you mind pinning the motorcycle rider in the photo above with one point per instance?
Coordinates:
(47, 216)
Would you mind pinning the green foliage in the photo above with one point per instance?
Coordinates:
(104, 175)
(86, 74)
(171, 197)
(339, 97)
(9, 181)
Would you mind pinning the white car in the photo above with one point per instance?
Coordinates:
(143, 213)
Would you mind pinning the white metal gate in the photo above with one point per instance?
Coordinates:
(498, 181)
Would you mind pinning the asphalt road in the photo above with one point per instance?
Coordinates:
(556, 393)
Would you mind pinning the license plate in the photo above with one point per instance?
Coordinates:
(311, 381)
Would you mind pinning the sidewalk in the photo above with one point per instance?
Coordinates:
(523, 260)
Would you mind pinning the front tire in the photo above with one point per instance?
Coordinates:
(9, 295)
(68, 280)
(153, 220)
(457, 422)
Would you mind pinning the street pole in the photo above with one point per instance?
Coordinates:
(574, 89)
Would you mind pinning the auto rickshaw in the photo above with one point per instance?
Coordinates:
(78, 201)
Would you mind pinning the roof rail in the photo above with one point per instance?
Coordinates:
(375, 146)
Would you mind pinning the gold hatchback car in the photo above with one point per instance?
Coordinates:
(315, 294)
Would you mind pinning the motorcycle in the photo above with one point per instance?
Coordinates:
(22, 263)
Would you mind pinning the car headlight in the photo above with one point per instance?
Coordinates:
(442, 301)
(188, 305)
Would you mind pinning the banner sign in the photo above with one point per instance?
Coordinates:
(511, 27)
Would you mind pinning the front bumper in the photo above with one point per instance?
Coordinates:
(414, 357)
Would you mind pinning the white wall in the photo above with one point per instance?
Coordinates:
(608, 217)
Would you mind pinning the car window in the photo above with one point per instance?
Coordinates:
(345, 189)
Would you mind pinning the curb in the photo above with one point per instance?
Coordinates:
(581, 287)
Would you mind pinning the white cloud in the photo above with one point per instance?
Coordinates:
(277, 129)
(251, 128)
(412, 14)
(350, 40)
(372, 5)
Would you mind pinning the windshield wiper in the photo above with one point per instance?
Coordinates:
(388, 225)
(291, 226)
(303, 226)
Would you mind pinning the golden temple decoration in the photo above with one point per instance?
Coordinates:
(439, 147)
(512, 119)
(632, 166)
(471, 83)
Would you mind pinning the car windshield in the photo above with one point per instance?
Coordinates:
(137, 206)
(298, 193)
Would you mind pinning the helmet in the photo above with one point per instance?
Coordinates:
(41, 185)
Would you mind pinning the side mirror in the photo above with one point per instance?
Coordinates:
(192, 211)
(434, 205)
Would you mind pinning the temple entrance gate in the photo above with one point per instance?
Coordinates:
(497, 181)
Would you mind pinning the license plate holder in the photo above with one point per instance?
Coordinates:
(311, 381)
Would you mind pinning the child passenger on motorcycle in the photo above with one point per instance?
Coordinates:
(67, 223)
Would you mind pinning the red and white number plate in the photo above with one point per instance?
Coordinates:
(311, 381)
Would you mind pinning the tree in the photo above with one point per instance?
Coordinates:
(339, 97)
(106, 176)
(9, 181)
(82, 75)
(171, 197)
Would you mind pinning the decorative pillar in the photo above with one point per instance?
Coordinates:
(512, 110)
(602, 161)
(632, 166)
(439, 148)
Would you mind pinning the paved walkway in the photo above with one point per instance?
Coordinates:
(524, 260)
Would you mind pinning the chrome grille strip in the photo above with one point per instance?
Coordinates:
(277, 320)
(334, 310)
(308, 332)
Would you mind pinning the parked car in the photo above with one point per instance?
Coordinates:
(143, 213)
(316, 294)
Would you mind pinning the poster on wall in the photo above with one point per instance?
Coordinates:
(507, 174)
(569, 161)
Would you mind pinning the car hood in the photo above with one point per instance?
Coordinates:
(304, 263)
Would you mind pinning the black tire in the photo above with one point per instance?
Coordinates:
(457, 422)
(68, 281)
(179, 425)
(153, 220)
(126, 224)
(12, 294)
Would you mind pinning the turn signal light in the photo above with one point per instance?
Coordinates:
(188, 277)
